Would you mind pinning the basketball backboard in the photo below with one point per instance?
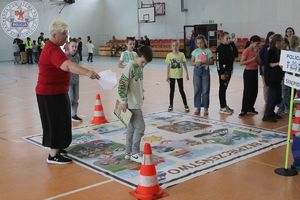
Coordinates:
(146, 15)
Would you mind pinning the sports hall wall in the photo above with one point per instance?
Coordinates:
(84, 18)
(243, 17)
(103, 18)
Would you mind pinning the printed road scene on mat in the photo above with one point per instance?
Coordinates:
(183, 146)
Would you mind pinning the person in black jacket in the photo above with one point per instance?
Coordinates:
(147, 41)
(273, 77)
(79, 49)
(263, 54)
(226, 53)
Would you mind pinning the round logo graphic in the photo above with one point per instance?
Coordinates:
(19, 19)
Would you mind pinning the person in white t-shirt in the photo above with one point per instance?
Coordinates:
(90, 48)
(129, 54)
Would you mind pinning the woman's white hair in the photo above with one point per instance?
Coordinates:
(58, 26)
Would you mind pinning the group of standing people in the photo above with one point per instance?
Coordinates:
(201, 59)
(264, 59)
(255, 58)
(116, 48)
(278, 94)
(27, 51)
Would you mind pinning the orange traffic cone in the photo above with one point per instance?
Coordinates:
(148, 187)
(99, 117)
(296, 122)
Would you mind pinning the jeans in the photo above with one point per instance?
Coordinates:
(135, 131)
(35, 56)
(296, 151)
(172, 90)
(17, 57)
(286, 95)
(201, 82)
(74, 97)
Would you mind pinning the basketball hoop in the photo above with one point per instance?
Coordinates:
(144, 21)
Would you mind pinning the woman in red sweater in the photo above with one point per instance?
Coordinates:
(52, 93)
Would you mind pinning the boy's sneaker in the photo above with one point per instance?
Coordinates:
(127, 156)
(186, 109)
(226, 111)
(170, 109)
(205, 111)
(136, 158)
(76, 118)
(58, 159)
(63, 152)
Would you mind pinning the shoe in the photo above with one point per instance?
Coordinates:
(58, 159)
(230, 109)
(76, 118)
(205, 111)
(242, 114)
(63, 152)
(269, 119)
(136, 158)
(127, 156)
(226, 111)
(186, 109)
(280, 111)
(253, 112)
(170, 109)
(197, 112)
(297, 168)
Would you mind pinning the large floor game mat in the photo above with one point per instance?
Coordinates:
(183, 146)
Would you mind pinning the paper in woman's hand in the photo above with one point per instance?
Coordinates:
(108, 79)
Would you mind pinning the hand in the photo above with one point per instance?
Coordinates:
(124, 107)
(93, 75)
(199, 63)
(222, 77)
(253, 58)
(187, 77)
(168, 79)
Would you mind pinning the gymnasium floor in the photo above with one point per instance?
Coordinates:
(24, 173)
